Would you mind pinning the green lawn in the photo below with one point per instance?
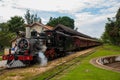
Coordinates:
(0, 58)
(107, 46)
(0, 55)
(86, 71)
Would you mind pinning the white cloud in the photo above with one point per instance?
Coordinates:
(52, 5)
(90, 24)
(44, 20)
(15, 7)
(87, 22)
(109, 10)
(69, 6)
(8, 12)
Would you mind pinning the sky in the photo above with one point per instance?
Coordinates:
(90, 16)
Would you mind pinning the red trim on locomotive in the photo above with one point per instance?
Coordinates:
(6, 57)
(11, 57)
(25, 57)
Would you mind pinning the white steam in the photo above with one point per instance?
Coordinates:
(42, 58)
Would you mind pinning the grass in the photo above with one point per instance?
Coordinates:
(0, 55)
(107, 46)
(86, 71)
(0, 58)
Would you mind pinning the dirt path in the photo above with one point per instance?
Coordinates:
(26, 73)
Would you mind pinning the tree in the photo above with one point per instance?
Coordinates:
(4, 27)
(9, 28)
(118, 14)
(5, 38)
(31, 18)
(105, 38)
(112, 30)
(67, 21)
(16, 23)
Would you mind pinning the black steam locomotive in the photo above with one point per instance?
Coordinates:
(52, 43)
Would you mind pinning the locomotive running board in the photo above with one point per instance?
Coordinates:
(15, 64)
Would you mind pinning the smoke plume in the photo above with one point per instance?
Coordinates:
(42, 59)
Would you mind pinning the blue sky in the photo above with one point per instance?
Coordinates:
(90, 15)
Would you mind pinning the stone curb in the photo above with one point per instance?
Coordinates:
(96, 63)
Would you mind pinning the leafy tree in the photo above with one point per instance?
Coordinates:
(4, 27)
(9, 28)
(5, 38)
(31, 18)
(105, 38)
(67, 21)
(16, 23)
(112, 30)
(118, 14)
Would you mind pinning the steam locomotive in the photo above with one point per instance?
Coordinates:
(52, 43)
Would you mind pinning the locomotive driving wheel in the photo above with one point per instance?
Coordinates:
(51, 54)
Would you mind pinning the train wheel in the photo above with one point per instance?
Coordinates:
(51, 54)
(47, 54)
(27, 63)
(63, 54)
(8, 61)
